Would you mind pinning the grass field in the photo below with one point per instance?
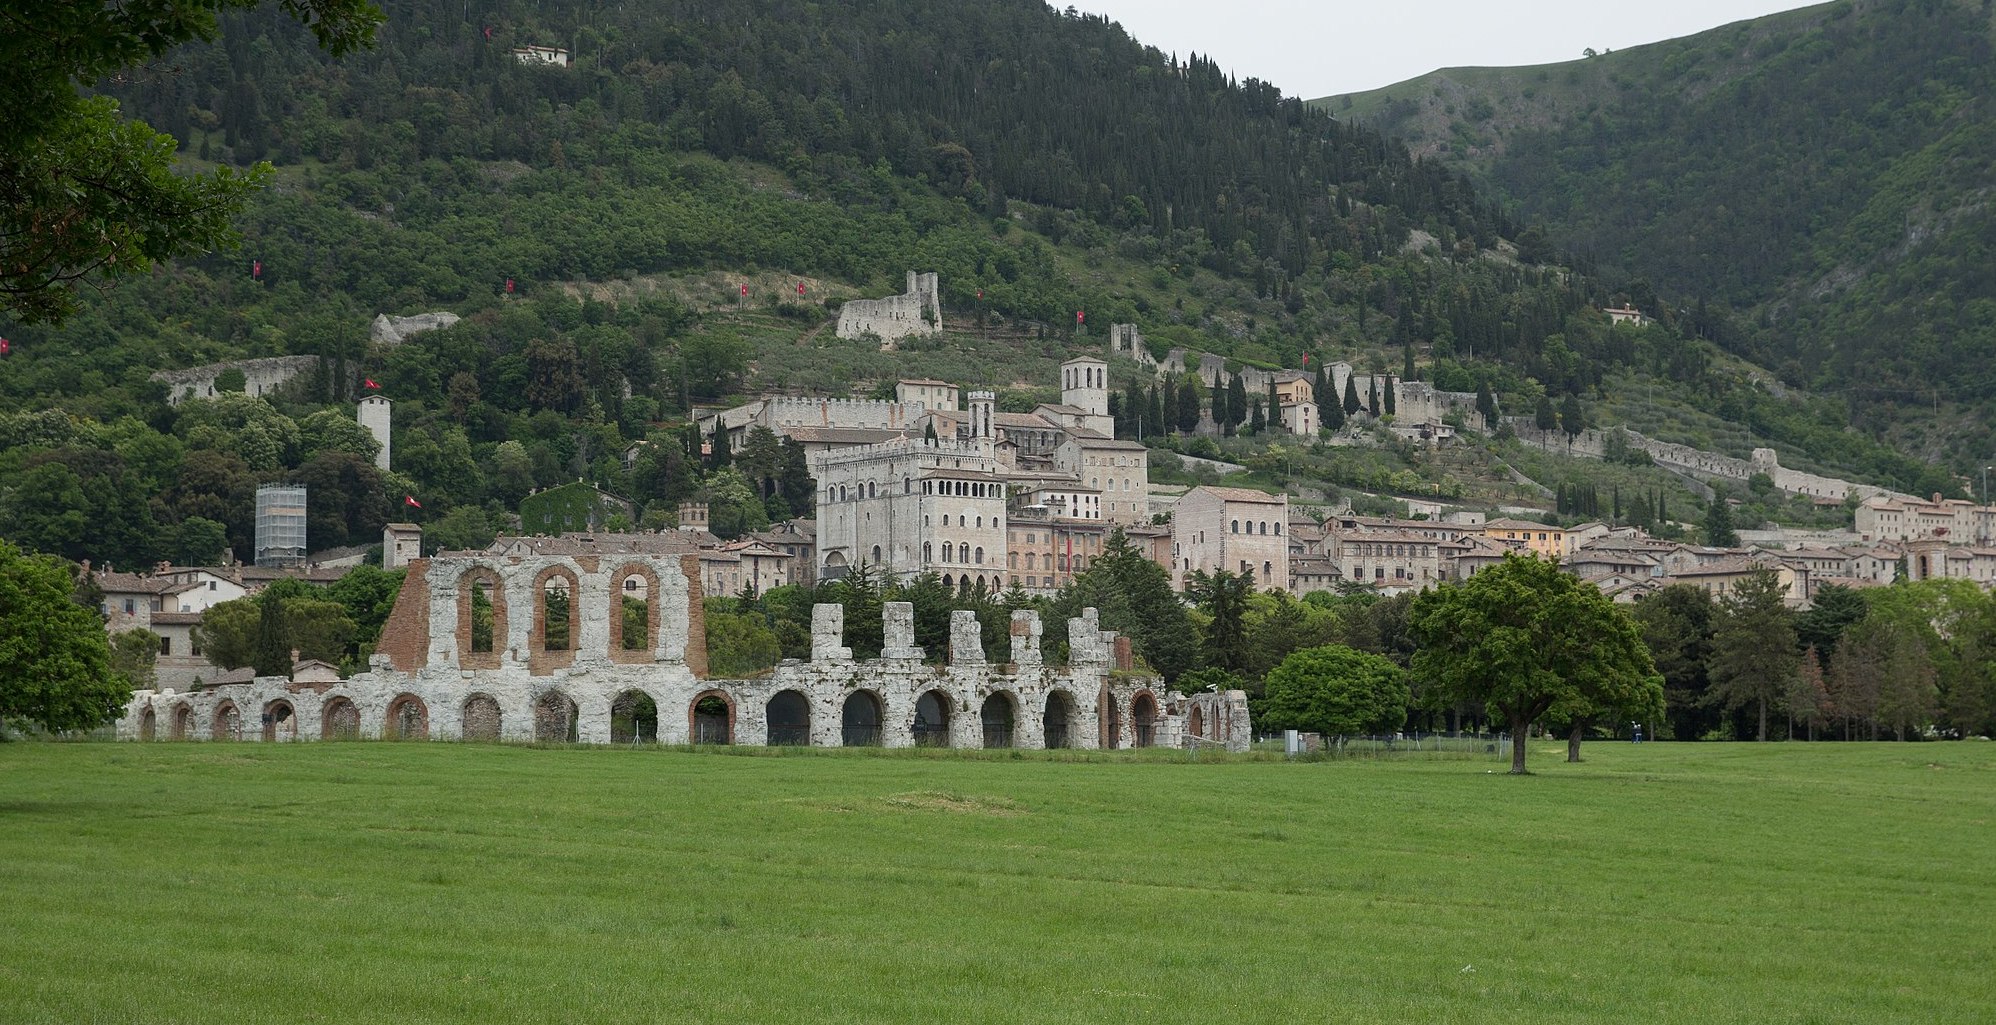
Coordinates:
(447, 883)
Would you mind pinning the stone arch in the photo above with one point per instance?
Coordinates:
(280, 720)
(407, 719)
(633, 718)
(148, 724)
(339, 719)
(481, 621)
(860, 720)
(1000, 718)
(554, 718)
(788, 716)
(182, 725)
(1143, 719)
(557, 596)
(835, 566)
(1112, 720)
(1196, 723)
(228, 724)
(634, 599)
(482, 718)
(710, 718)
(1058, 722)
(932, 719)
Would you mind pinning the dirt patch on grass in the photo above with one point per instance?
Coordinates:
(940, 800)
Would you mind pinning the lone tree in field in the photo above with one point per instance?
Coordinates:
(1523, 636)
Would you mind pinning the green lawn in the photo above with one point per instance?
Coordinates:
(439, 882)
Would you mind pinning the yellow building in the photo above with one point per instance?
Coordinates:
(1544, 540)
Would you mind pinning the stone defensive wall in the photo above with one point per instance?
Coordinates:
(1593, 443)
(918, 311)
(468, 654)
(882, 414)
(260, 376)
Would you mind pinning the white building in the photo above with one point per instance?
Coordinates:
(913, 506)
(373, 414)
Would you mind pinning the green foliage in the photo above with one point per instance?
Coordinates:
(1753, 647)
(1336, 691)
(55, 663)
(1523, 636)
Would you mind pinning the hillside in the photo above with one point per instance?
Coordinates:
(1824, 172)
(593, 224)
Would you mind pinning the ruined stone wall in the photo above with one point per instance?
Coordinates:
(1023, 702)
(1126, 340)
(1593, 443)
(260, 376)
(918, 311)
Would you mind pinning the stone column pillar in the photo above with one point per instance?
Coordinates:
(898, 622)
(1026, 631)
(828, 628)
(966, 639)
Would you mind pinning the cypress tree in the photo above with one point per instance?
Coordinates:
(1372, 395)
(1389, 396)
(1256, 423)
(1236, 403)
(1274, 405)
(1351, 395)
(1407, 363)
(722, 457)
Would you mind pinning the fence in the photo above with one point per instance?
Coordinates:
(1446, 746)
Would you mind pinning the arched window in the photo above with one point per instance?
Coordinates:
(1012, 560)
(949, 551)
(1234, 526)
(842, 492)
(980, 555)
(928, 552)
(980, 521)
(876, 553)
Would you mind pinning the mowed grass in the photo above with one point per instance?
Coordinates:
(449, 883)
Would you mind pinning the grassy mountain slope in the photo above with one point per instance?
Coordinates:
(1043, 163)
(1824, 170)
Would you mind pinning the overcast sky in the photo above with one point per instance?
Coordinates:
(1311, 49)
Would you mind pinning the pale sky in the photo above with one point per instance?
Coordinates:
(1323, 49)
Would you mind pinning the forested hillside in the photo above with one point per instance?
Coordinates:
(593, 223)
(1826, 172)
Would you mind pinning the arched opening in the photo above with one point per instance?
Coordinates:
(713, 716)
(835, 567)
(554, 718)
(789, 718)
(998, 717)
(859, 720)
(148, 724)
(634, 612)
(1112, 722)
(481, 618)
(633, 718)
(1196, 723)
(228, 723)
(481, 718)
(183, 722)
(481, 612)
(1143, 718)
(932, 719)
(557, 614)
(408, 719)
(1059, 716)
(280, 721)
(339, 720)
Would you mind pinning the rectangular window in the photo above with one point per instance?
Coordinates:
(166, 645)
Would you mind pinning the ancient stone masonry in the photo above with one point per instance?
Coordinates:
(1593, 443)
(1126, 340)
(387, 330)
(533, 648)
(918, 311)
(260, 376)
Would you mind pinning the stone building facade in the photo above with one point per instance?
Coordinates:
(1234, 529)
(470, 654)
(913, 506)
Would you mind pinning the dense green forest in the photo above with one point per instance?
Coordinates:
(1824, 172)
(1042, 161)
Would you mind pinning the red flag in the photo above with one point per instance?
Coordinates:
(256, 269)
(509, 286)
(980, 293)
(1306, 361)
(369, 382)
(6, 346)
(800, 288)
(411, 500)
(1079, 316)
(744, 289)
(488, 31)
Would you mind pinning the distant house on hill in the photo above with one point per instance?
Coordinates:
(554, 55)
(1625, 315)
